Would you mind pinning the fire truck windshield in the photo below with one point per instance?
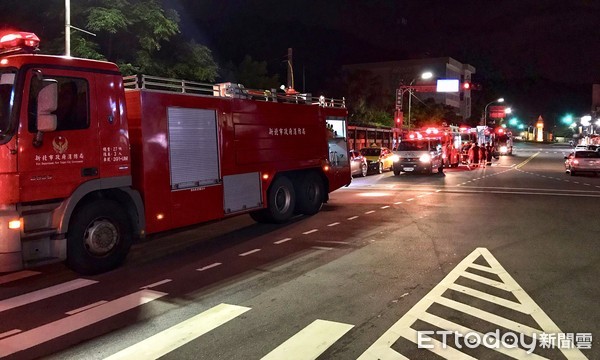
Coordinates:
(7, 81)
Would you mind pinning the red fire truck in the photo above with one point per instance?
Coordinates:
(91, 160)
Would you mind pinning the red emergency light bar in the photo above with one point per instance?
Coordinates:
(19, 42)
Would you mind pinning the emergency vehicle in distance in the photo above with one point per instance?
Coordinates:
(91, 161)
(428, 149)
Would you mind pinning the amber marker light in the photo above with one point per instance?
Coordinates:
(326, 167)
(14, 224)
(160, 216)
(265, 176)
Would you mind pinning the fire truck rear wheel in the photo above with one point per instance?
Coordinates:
(99, 237)
(309, 194)
(282, 201)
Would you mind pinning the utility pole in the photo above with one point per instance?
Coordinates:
(290, 70)
(67, 27)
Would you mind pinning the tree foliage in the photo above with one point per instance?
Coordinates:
(368, 102)
(251, 74)
(430, 113)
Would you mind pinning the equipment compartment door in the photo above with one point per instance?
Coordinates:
(338, 151)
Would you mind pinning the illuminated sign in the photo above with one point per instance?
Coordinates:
(447, 85)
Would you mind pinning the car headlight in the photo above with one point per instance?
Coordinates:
(425, 158)
(395, 158)
(503, 149)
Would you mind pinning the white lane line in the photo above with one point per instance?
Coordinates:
(87, 307)
(178, 335)
(459, 185)
(310, 231)
(249, 252)
(385, 207)
(598, 186)
(44, 293)
(586, 184)
(310, 342)
(333, 224)
(282, 241)
(209, 266)
(411, 199)
(438, 190)
(156, 284)
(53, 330)
(322, 248)
(576, 182)
(352, 218)
(17, 276)
(369, 212)
(10, 333)
(398, 203)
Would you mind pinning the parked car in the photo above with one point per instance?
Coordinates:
(582, 161)
(378, 158)
(358, 163)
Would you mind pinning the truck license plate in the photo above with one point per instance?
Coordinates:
(408, 169)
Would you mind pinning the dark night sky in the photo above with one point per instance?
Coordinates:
(543, 53)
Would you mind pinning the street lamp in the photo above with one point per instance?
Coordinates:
(426, 75)
(499, 100)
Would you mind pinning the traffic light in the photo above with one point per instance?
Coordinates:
(466, 85)
(398, 118)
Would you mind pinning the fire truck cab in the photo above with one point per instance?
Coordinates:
(91, 161)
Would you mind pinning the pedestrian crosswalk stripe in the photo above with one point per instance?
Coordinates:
(180, 334)
(310, 342)
(44, 293)
(381, 348)
(47, 332)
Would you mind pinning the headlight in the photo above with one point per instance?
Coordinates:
(395, 158)
(503, 149)
(425, 158)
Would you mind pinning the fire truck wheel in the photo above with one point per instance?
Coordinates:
(99, 237)
(282, 201)
(309, 194)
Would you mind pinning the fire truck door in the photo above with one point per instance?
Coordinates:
(338, 151)
(68, 156)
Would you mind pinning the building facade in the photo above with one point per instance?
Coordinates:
(392, 74)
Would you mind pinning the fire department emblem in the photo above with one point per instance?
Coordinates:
(60, 144)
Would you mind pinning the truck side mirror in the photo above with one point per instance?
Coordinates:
(47, 103)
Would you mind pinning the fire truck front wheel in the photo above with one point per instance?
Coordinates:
(99, 237)
(309, 194)
(281, 200)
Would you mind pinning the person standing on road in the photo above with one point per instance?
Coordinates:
(482, 155)
(474, 154)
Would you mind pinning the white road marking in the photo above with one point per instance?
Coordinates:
(47, 332)
(369, 212)
(209, 266)
(178, 335)
(385, 207)
(381, 349)
(334, 224)
(310, 342)
(586, 184)
(352, 218)
(398, 203)
(438, 190)
(9, 333)
(310, 231)
(156, 284)
(87, 307)
(44, 293)
(411, 199)
(17, 276)
(249, 252)
(322, 248)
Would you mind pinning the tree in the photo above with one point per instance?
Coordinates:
(251, 74)
(430, 113)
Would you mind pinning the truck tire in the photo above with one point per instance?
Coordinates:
(99, 237)
(309, 194)
(281, 201)
(396, 172)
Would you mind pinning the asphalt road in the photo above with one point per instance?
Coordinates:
(510, 247)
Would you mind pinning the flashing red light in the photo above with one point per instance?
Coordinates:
(575, 161)
(463, 129)
(411, 136)
(500, 131)
(18, 40)
(466, 86)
